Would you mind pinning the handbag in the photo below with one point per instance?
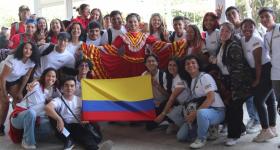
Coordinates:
(90, 127)
(193, 104)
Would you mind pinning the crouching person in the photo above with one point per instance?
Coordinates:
(62, 109)
(29, 114)
(210, 112)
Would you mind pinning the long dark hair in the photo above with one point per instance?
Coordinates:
(83, 34)
(169, 76)
(51, 33)
(42, 18)
(34, 56)
(43, 76)
(213, 16)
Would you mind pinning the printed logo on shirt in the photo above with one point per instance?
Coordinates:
(61, 61)
(208, 86)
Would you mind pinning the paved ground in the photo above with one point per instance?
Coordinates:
(136, 138)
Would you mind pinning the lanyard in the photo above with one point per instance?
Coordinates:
(270, 43)
(195, 83)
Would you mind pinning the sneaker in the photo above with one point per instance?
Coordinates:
(198, 143)
(172, 128)
(231, 141)
(26, 146)
(2, 130)
(250, 123)
(107, 145)
(243, 133)
(265, 135)
(254, 129)
(224, 130)
(69, 144)
(151, 125)
(213, 132)
(274, 131)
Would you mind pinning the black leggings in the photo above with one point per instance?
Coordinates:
(234, 113)
(78, 134)
(264, 95)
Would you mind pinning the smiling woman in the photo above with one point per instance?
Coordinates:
(14, 76)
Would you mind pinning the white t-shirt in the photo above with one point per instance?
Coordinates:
(185, 95)
(203, 84)
(115, 33)
(255, 42)
(220, 64)
(18, 68)
(73, 48)
(184, 36)
(36, 99)
(96, 42)
(158, 96)
(78, 91)
(275, 45)
(75, 105)
(212, 42)
(55, 60)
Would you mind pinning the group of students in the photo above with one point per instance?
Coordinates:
(222, 67)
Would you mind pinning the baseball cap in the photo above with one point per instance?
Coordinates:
(23, 7)
(63, 36)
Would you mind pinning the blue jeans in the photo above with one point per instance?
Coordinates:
(252, 112)
(205, 118)
(187, 132)
(26, 120)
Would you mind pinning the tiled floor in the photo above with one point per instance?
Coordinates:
(137, 138)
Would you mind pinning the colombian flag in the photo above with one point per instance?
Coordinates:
(124, 99)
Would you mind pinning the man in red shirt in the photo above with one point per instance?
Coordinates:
(19, 27)
(17, 39)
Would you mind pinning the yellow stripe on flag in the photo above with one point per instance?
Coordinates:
(122, 89)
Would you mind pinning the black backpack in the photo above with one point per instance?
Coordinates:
(160, 78)
(109, 31)
(172, 36)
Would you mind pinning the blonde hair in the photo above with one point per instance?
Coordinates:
(162, 26)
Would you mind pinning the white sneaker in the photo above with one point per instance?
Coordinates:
(254, 129)
(107, 145)
(224, 130)
(198, 143)
(172, 128)
(26, 146)
(243, 133)
(213, 132)
(250, 123)
(231, 141)
(274, 131)
(265, 135)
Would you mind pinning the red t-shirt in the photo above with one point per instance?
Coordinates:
(21, 29)
(18, 38)
(82, 21)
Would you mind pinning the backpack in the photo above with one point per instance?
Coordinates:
(160, 78)
(109, 31)
(16, 27)
(172, 36)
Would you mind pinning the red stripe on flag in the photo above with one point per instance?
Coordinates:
(119, 116)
